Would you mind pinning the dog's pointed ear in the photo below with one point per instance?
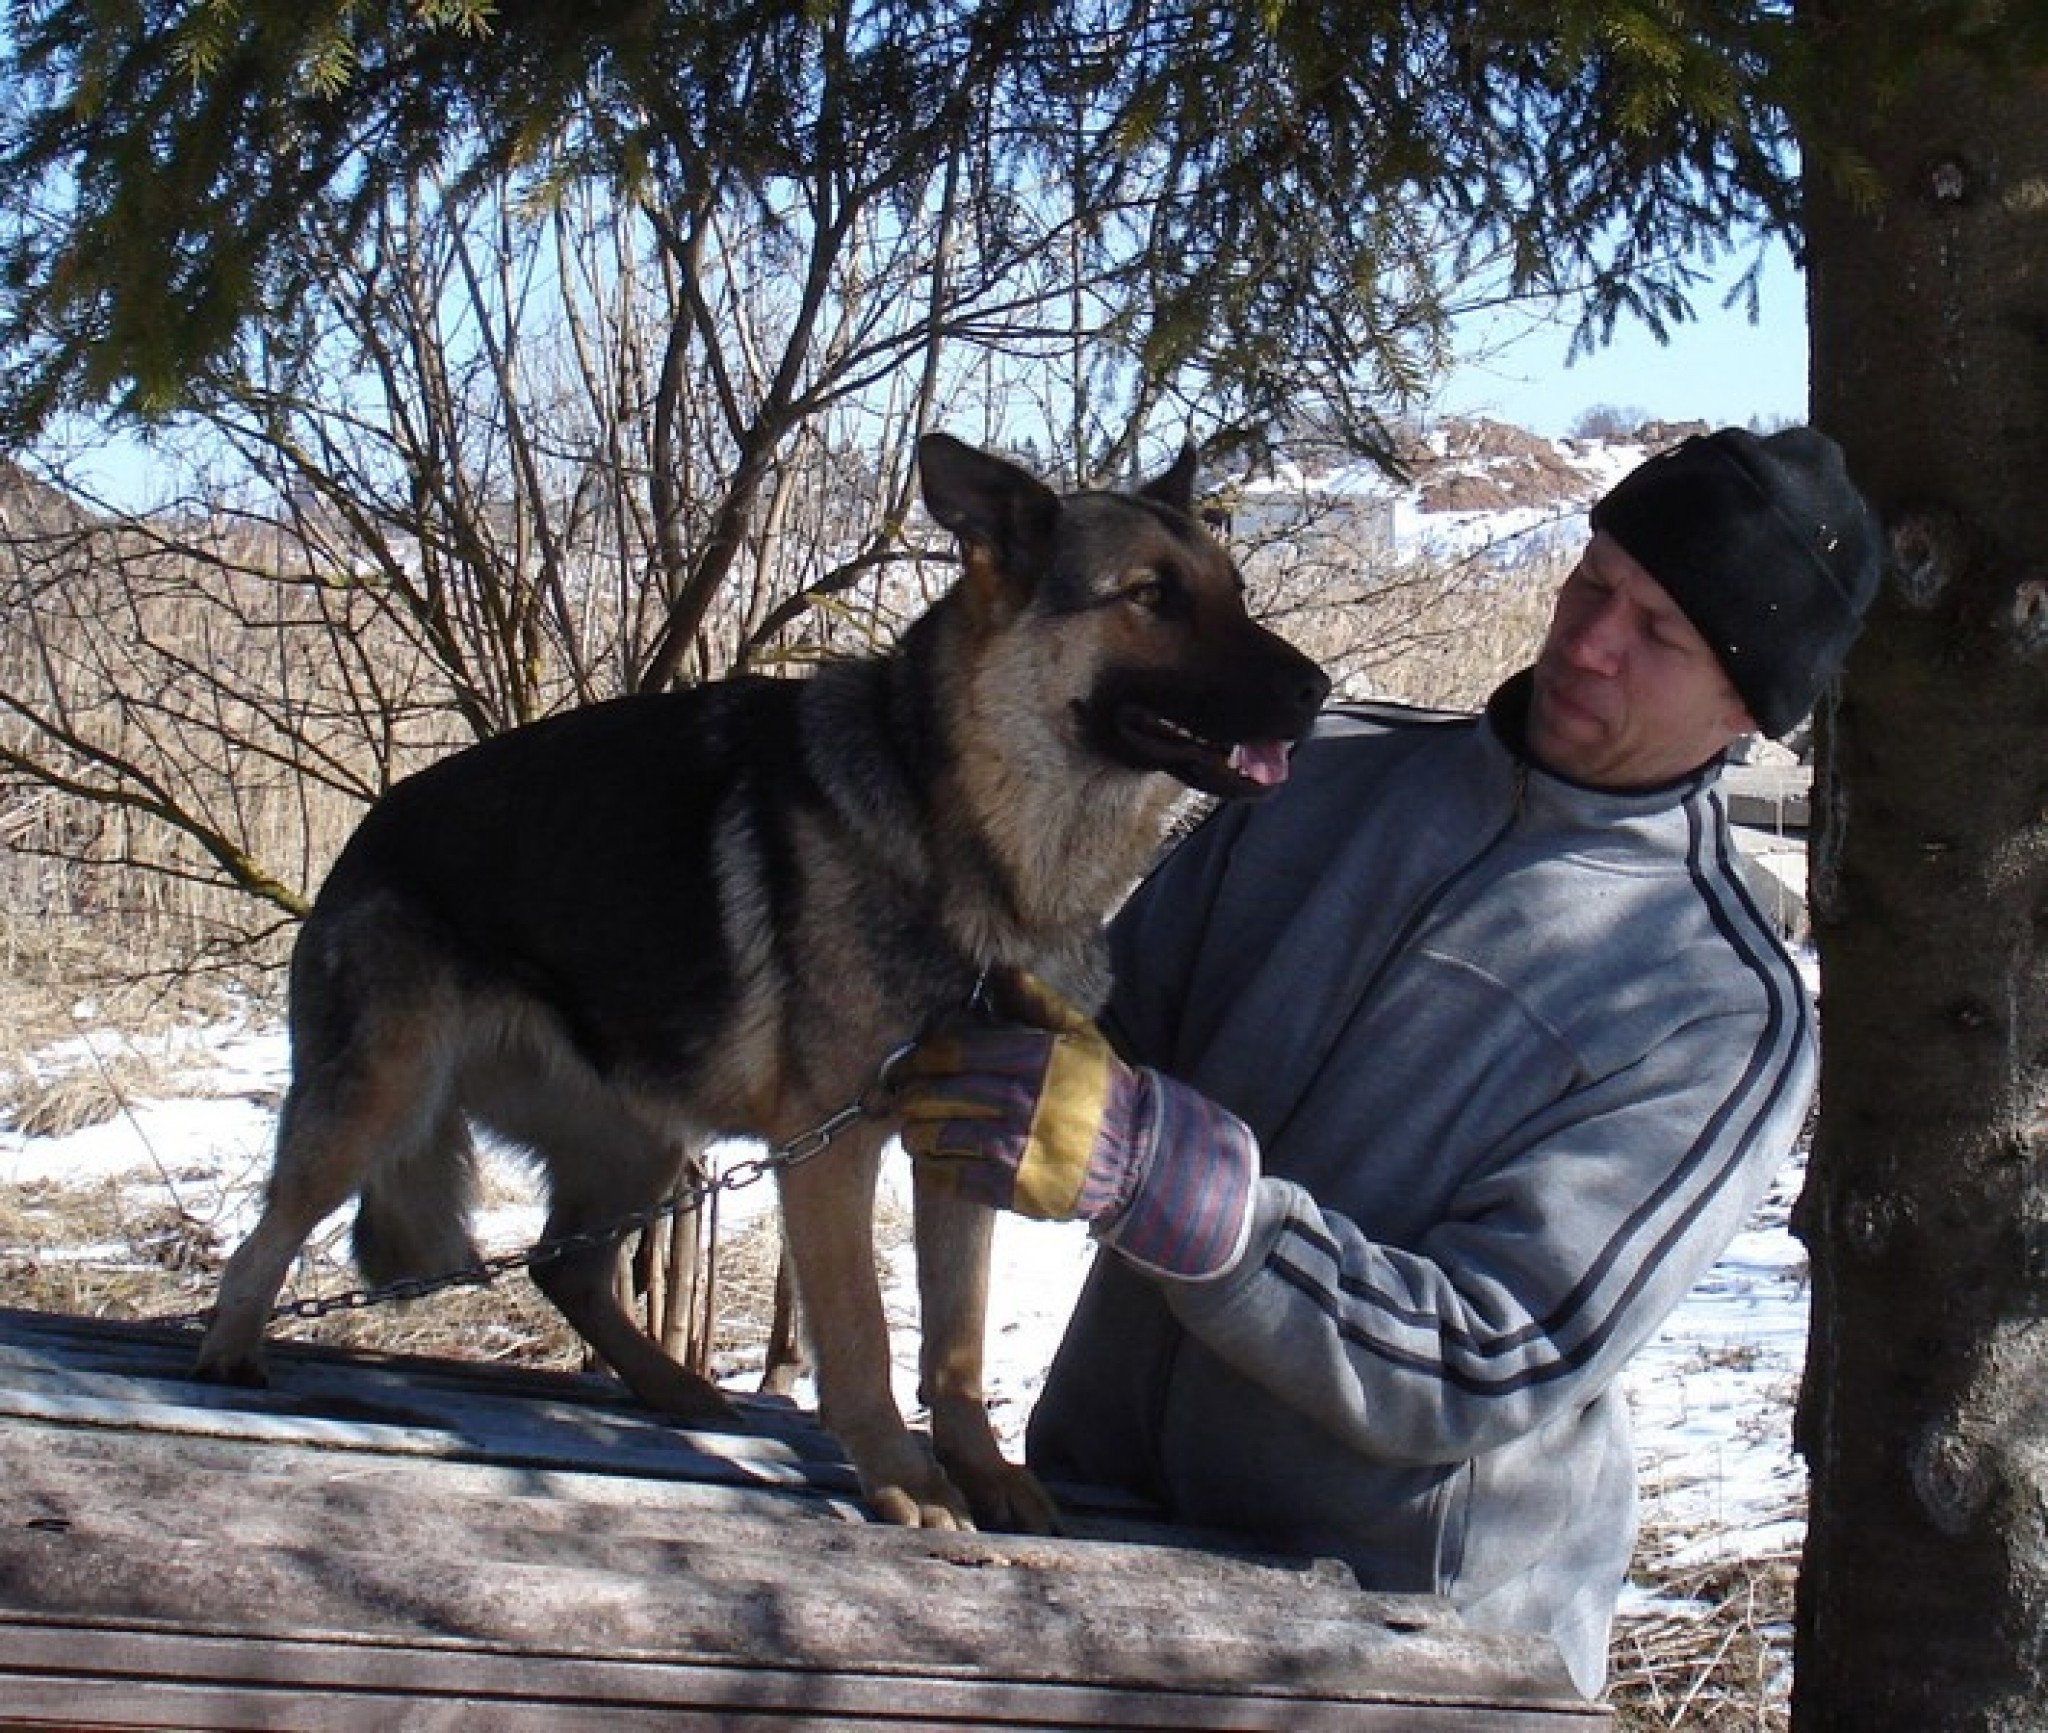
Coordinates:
(1003, 515)
(1176, 487)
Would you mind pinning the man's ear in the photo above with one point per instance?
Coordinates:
(1003, 515)
(1176, 488)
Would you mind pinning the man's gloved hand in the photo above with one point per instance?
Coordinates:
(1041, 1118)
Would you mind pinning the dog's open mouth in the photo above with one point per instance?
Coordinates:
(1232, 769)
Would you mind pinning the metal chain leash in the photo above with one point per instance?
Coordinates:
(699, 1187)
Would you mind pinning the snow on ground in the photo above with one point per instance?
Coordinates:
(1711, 1395)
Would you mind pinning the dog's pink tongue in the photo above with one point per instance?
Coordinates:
(1263, 762)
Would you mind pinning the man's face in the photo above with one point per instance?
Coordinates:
(1627, 692)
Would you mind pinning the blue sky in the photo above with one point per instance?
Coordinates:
(1718, 368)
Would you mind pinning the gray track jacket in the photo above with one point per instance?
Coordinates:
(1521, 1057)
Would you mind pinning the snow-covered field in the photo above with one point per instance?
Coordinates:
(1711, 1396)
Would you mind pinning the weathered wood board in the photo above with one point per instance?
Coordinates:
(408, 1543)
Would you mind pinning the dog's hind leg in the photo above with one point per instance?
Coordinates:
(345, 1110)
(828, 1214)
(582, 1284)
(953, 1241)
(604, 1164)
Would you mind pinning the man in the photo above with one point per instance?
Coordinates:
(1439, 1079)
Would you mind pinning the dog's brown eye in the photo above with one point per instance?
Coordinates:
(1146, 590)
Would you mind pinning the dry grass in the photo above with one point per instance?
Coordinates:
(55, 1104)
(54, 967)
(1716, 1653)
(90, 1251)
(93, 1251)
(1438, 633)
(60, 976)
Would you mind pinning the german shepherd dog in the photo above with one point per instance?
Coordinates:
(612, 934)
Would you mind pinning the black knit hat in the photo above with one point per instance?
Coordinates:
(1769, 549)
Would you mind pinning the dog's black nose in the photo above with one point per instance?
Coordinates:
(1303, 687)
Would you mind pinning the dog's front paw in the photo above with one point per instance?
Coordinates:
(1003, 1496)
(904, 1485)
(1008, 1499)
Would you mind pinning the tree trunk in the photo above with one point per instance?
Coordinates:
(1923, 1599)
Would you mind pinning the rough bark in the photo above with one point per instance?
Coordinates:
(1924, 1420)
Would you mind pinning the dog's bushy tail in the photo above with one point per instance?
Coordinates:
(413, 1218)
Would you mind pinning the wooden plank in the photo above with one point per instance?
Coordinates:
(535, 1438)
(313, 1550)
(162, 1680)
(432, 1408)
(380, 1549)
(395, 1552)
